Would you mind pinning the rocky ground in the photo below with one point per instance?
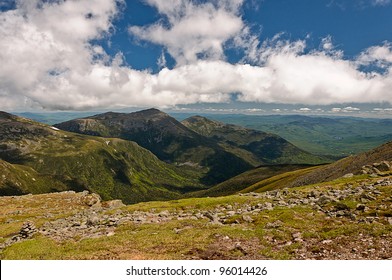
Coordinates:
(351, 221)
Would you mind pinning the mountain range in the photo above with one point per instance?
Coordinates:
(38, 158)
(217, 150)
(284, 208)
(334, 136)
(149, 155)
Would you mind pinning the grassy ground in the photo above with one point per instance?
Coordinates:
(286, 231)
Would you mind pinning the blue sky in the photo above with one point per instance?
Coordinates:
(352, 25)
(324, 56)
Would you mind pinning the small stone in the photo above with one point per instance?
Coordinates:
(93, 220)
(313, 194)
(297, 237)
(213, 217)
(352, 216)
(340, 213)
(282, 203)
(165, 213)
(113, 204)
(247, 218)
(268, 206)
(324, 200)
(276, 224)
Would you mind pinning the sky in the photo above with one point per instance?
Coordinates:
(246, 56)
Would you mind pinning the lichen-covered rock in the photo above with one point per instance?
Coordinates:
(91, 199)
(113, 204)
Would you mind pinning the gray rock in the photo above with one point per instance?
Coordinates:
(230, 213)
(282, 203)
(91, 199)
(113, 204)
(276, 224)
(165, 213)
(247, 218)
(297, 237)
(213, 218)
(324, 199)
(268, 206)
(340, 213)
(93, 220)
(313, 193)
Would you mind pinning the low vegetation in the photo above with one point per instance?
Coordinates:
(335, 220)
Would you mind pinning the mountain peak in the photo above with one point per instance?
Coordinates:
(200, 120)
(7, 116)
(152, 112)
(147, 114)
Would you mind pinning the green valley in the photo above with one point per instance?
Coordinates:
(113, 168)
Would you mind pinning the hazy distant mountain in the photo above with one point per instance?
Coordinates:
(255, 146)
(37, 158)
(321, 135)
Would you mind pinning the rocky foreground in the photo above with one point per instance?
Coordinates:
(349, 219)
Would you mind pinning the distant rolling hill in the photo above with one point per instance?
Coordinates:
(257, 147)
(218, 157)
(272, 177)
(321, 135)
(319, 174)
(37, 158)
(248, 178)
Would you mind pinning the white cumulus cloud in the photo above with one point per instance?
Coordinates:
(193, 30)
(48, 60)
(377, 55)
(380, 2)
